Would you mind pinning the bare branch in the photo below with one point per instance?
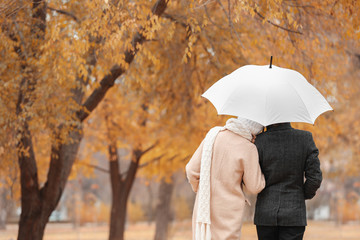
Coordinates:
(172, 18)
(210, 19)
(145, 164)
(101, 169)
(185, 158)
(204, 4)
(152, 161)
(276, 25)
(156, 159)
(149, 148)
(210, 55)
(173, 157)
(231, 25)
(10, 7)
(64, 13)
(22, 41)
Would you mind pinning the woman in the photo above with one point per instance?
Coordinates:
(228, 159)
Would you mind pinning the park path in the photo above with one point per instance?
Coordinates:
(181, 231)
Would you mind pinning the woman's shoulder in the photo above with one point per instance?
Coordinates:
(232, 139)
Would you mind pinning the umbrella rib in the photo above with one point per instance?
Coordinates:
(266, 103)
(307, 111)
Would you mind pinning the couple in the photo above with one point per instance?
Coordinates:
(227, 161)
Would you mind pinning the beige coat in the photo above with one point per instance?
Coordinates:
(235, 160)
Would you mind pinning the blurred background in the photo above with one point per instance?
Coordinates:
(100, 109)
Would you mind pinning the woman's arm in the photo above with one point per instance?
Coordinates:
(193, 168)
(253, 178)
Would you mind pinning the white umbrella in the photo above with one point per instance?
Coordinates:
(267, 95)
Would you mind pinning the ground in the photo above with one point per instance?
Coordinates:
(182, 231)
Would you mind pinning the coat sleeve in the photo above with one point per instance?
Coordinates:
(312, 170)
(253, 178)
(193, 168)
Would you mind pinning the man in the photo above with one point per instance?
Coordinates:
(286, 155)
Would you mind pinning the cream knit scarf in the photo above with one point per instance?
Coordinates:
(238, 126)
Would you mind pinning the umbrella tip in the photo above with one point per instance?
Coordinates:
(271, 61)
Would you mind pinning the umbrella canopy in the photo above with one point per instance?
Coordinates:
(267, 95)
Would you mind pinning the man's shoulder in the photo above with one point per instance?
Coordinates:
(260, 136)
(260, 139)
(293, 131)
(302, 132)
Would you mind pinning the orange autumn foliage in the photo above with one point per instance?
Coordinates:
(183, 52)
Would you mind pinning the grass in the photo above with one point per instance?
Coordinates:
(181, 231)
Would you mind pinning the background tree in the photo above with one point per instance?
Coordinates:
(125, 128)
(45, 87)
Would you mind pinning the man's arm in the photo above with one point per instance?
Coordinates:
(313, 173)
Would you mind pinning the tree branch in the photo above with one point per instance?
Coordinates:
(101, 169)
(9, 8)
(185, 158)
(156, 159)
(131, 172)
(145, 164)
(28, 171)
(210, 55)
(108, 81)
(276, 25)
(172, 18)
(62, 159)
(209, 17)
(64, 13)
(231, 25)
(22, 42)
(149, 148)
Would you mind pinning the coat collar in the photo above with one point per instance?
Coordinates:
(278, 126)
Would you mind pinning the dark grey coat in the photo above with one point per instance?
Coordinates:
(286, 155)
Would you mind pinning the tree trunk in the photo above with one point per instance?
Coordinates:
(3, 208)
(38, 204)
(33, 226)
(163, 210)
(150, 209)
(2, 219)
(32, 218)
(121, 188)
(118, 219)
